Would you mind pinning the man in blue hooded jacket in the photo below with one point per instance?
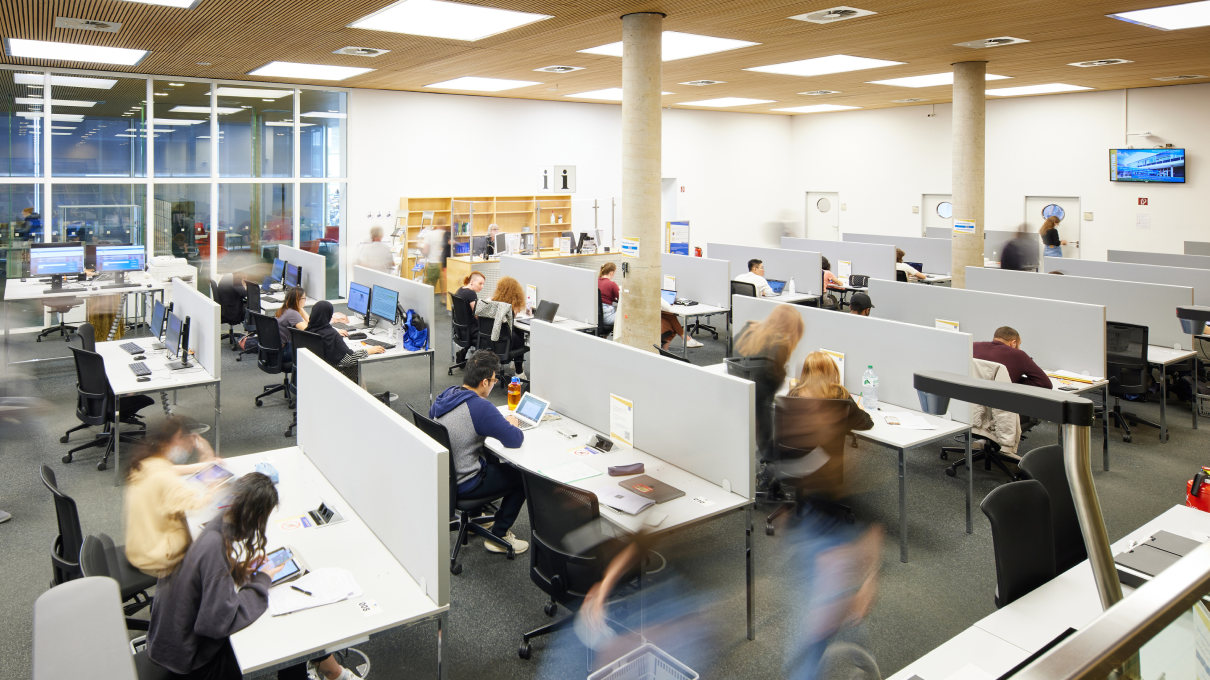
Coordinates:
(470, 419)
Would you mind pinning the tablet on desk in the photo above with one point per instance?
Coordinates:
(292, 568)
(213, 475)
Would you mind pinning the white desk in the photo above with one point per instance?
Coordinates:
(1101, 384)
(125, 383)
(794, 298)
(974, 646)
(932, 279)
(1164, 357)
(274, 642)
(569, 324)
(696, 312)
(396, 352)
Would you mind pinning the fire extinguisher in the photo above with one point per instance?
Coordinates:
(697, 251)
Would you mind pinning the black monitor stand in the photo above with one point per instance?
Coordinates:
(182, 350)
(56, 282)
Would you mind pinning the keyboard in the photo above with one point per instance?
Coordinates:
(347, 327)
(131, 348)
(379, 343)
(63, 289)
(120, 285)
(268, 298)
(140, 369)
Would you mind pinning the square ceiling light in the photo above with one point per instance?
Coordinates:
(450, 20)
(61, 51)
(222, 110)
(1048, 88)
(613, 94)
(723, 102)
(286, 123)
(1170, 18)
(676, 45)
(251, 92)
(64, 81)
(817, 108)
(290, 69)
(928, 81)
(822, 66)
(38, 101)
(476, 84)
(182, 4)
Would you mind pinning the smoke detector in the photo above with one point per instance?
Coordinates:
(1101, 62)
(559, 69)
(908, 101)
(833, 15)
(702, 83)
(1179, 78)
(991, 42)
(361, 51)
(87, 25)
(815, 93)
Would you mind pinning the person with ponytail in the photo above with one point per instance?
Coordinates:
(609, 291)
(471, 287)
(1052, 244)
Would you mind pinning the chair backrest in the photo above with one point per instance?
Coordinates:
(1022, 538)
(603, 328)
(88, 336)
(502, 347)
(556, 511)
(213, 290)
(92, 558)
(254, 298)
(92, 388)
(306, 340)
(437, 432)
(665, 353)
(461, 319)
(87, 615)
(3, 278)
(1126, 358)
(743, 288)
(269, 350)
(1045, 464)
(71, 537)
(900, 276)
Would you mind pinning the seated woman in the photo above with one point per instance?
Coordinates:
(830, 280)
(906, 268)
(774, 339)
(609, 291)
(670, 327)
(292, 314)
(471, 286)
(336, 351)
(507, 302)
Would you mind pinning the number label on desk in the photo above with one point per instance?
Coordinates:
(703, 501)
(369, 608)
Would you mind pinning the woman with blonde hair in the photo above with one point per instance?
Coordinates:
(507, 302)
(774, 339)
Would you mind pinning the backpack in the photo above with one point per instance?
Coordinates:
(247, 342)
(415, 332)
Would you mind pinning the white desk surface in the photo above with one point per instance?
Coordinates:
(792, 298)
(350, 545)
(269, 307)
(1056, 383)
(124, 381)
(935, 278)
(569, 324)
(1162, 356)
(393, 353)
(985, 651)
(32, 289)
(544, 448)
(702, 309)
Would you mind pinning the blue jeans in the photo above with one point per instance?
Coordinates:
(1053, 251)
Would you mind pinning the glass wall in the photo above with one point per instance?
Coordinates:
(257, 137)
(98, 213)
(21, 124)
(95, 130)
(182, 128)
(322, 132)
(253, 220)
(320, 227)
(182, 225)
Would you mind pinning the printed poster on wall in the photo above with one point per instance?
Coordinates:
(837, 357)
(677, 237)
(621, 420)
(964, 227)
(630, 247)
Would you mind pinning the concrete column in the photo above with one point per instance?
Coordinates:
(638, 320)
(967, 150)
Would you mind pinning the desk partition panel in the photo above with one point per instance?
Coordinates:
(934, 253)
(412, 294)
(939, 232)
(393, 475)
(703, 279)
(1197, 248)
(314, 270)
(1198, 279)
(781, 264)
(204, 326)
(1144, 304)
(994, 242)
(875, 260)
(699, 421)
(1057, 334)
(896, 350)
(1160, 259)
(574, 288)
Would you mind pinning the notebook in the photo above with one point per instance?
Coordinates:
(651, 488)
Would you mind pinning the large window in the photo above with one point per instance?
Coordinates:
(98, 213)
(21, 124)
(257, 136)
(320, 227)
(182, 128)
(95, 127)
(253, 220)
(322, 133)
(182, 225)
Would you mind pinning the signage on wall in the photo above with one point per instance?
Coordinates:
(564, 179)
(964, 227)
(1142, 201)
(630, 246)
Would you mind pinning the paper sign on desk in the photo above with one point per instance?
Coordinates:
(531, 297)
(844, 269)
(325, 585)
(669, 283)
(1068, 376)
(838, 357)
(621, 420)
(907, 421)
(942, 324)
(569, 472)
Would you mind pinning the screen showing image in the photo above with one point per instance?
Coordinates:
(120, 258)
(359, 298)
(668, 295)
(530, 408)
(56, 261)
(173, 341)
(157, 319)
(279, 267)
(383, 303)
(213, 475)
(1147, 165)
(293, 276)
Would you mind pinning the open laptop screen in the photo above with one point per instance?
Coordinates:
(668, 295)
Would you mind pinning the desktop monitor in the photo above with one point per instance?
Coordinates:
(479, 246)
(177, 342)
(158, 312)
(120, 258)
(293, 277)
(668, 295)
(580, 246)
(383, 303)
(279, 267)
(56, 259)
(359, 298)
(173, 338)
(501, 243)
(918, 266)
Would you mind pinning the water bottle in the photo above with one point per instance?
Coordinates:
(790, 287)
(514, 393)
(869, 389)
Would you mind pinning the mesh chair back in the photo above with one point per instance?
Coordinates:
(88, 337)
(1045, 464)
(743, 288)
(555, 511)
(1022, 538)
(502, 347)
(437, 432)
(1126, 358)
(92, 388)
(462, 321)
(300, 340)
(900, 276)
(213, 290)
(859, 281)
(269, 352)
(65, 557)
(254, 299)
(92, 558)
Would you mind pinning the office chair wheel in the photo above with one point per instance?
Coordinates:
(550, 609)
(67, 459)
(64, 438)
(39, 339)
(241, 356)
(511, 554)
(951, 472)
(450, 372)
(259, 402)
(456, 569)
(769, 529)
(945, 456)
(524, 651)
(101, 466)
(1126, 438)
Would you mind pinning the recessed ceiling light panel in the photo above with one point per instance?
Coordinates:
(1190, 77)
(675, 45)
(703, 83)
(817, 108)
(354, 51)
(251, 92)
(1047, 88)
(559, 69)
(38, 101)
(61, 51)
(65, 81)
(911, 100)
(833, 15)
(177, 121)
(222, 110)
(476, 84)
(290, 69)
(87, 25)
(1170, 18)
(928, 81)
(1100, 62)
(181, 4)
(991, 42)
(613, 94)
(723, 102)
(820, 66)
(816, 93)
(324, 114)
(450, 20)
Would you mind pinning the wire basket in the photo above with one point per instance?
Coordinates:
(648, 662)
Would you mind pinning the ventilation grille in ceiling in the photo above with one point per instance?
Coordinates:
(814, 93)
(559, 69)
(87, 25)
(1179, 78)
(991, 42)
(361, 51)
(1101, 62)
(831, 16)
(700, 83)
(908, 101)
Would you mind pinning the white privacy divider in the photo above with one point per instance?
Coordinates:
(933, 253)
(896, 350)
(701, 279)
(699, 421)
(994, 242)
(939, 232)
(1057, 334)
(412, 294)
(393, 475)
(204, 326)
(780, 264)
(1144, 304)
(875, 260)
(1160, 259)
(574, 288)
(1197, 248)
(1198, 279)
(314, 270)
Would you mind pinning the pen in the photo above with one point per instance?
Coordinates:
(304, 592)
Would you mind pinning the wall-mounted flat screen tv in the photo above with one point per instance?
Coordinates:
(1147, 165)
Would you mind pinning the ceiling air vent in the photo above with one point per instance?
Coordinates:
(700, 83)
(1101, 62)
(361, 51)
(814, 93)
(833, 15)
(1179, 78)
(908, 101)
(991, 42)
(559, 69)
(87, 25)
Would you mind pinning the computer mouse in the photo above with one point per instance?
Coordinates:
(140, 357)
(143, 378)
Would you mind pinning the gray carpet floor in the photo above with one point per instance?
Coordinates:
(947, 585)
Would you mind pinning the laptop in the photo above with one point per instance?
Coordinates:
(668, 295)
(776, 285)
(546, 311)
(651, 488)
(916, 265)
(530, 410)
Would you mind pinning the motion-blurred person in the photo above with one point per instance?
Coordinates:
(1050, 237)
(375, 254)
(31, 226)
(774, 339)
(1020, 253)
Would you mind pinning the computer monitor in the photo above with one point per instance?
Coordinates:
(293, 277)
(668, 295)
(121, 259)
(56, 260)
(583, 237)
(501, 243)
(918, 266)
(359, 298)
(383, 303)
(172, 341)
(158, 312)
(178, 339)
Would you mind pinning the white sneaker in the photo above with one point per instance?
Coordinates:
(4, 517)
(691, 342)
(521, 376)
(519, 546)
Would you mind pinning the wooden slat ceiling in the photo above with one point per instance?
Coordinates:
(237, 36)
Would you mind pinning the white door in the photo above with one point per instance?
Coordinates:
(823, 215)
(937, 215)
(1038, 208)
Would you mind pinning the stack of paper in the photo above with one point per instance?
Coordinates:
(325, 586)
(907, 421)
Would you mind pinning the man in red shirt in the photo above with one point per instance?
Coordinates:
(1005, 349)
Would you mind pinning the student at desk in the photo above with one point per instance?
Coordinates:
(1005, 349)
(906, 268)
(471, 287)
(470, 419)
(292, 314)
(610, 292)
(861, 304)
(336, 350)
(756, 276)
(508, 301)
(774, 339)
(670, 327)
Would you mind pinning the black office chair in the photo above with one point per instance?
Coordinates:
(249, 323)
(60, 306)
(464, 335)
(502, 347)
(461, 507)
(813, 491)
(99, 557)
(214, 289)
(271, 357)
(1022, 538)
(1127, 371)
(743, 288)
(300, 340)
(989, 451)
(65, 549)
(603, 329)
(901, 276)
(232, 313)
(555, 511)
(1045, 464)
(88, 337)
(94, 406)
(665, 353)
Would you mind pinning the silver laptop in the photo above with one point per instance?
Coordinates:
(530, 410)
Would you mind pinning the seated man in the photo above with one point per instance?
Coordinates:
(470, 419)
(861, 304)
(756, 276)
(1005, 349)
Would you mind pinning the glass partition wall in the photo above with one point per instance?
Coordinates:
(219, 173)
